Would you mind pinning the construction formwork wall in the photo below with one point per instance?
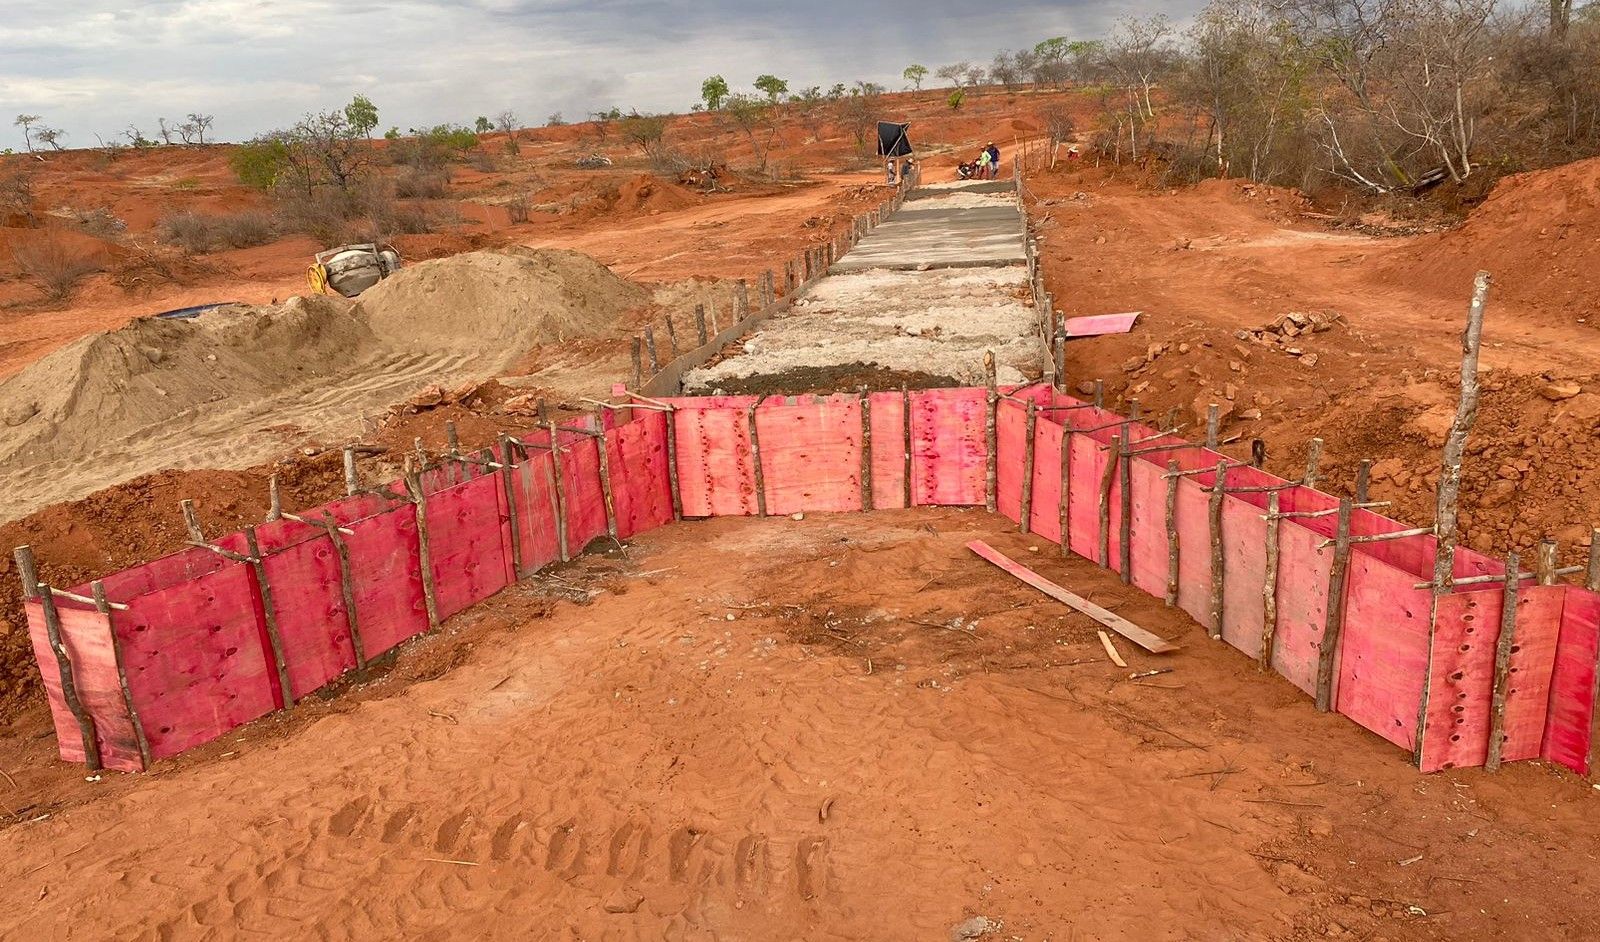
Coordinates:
(195, 644)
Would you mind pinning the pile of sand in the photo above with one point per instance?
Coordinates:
(499, 303)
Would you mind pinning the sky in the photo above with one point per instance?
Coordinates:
(96, 66)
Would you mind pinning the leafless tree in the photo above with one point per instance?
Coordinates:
(508, 124)
(26, 123)
(954, 73)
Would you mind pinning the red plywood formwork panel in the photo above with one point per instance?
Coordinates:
(1149, 551)
(715, 475)
(1304, 566)
(1461, 680)
(164, 573)
(386, 568)
(1383, 649)
(1010, 425)
(308, 601)
(581, 489)
(888, 450)
(810, 453)
(1244, 570)
(534, 493)
(640, 483)
(86, 634)
(1570, 721)
(1045, 519)
(467, 543)
(1088, 464)
(1194, 549)
(1533, 656)
(949, 447)
(197, 659)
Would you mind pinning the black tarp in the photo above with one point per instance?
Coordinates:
(892, 139)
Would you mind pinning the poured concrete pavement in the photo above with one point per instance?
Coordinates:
(975, 233)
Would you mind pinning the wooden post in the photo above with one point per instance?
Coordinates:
(1099, 394)
(269, 615)
(1030, 425)
(419, 501)
(352, 481)
(508, 479)
(1061, 363)
(1313, 462)
(606, 495)
(672, 463)
(650, 349)
(1258, 453)
(672, 338)
(1363, 479)
(1125, 510)
(991, 444)
(1213, 424)
(103, 605)
(755, 461)
(1106, 477)
(866, 450)
(1449, 489)
(347, 588)
(711, 313)
(1269, 585)
(191, 521)
(638, 362)
(1219, 488)
(274, 500)
(558, 488)
(1172, 532)
(28, 570)
(1502, 664)
(1064, 508)
(905, 420)
(1333, 625)
(1591, 576)
(700, 324)
(741, 295)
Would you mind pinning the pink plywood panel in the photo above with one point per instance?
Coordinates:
(534, 493)
(385, 565)
(1383, 652)
(639, 478)
(1010, 431)
(163, 573)
(581, 490)
(811, 454)
(86, 634)
(1570, 720)
(1244, 569)
(1533, 655)
(1045, 519)
(308, 599)
(1087, 466)
(715, 474)
(1149, 527)
(1304, 566)
(888, 450)
(197, 659)
(949, 447)
(1461, 680)
(1094, 325)
(466, 544)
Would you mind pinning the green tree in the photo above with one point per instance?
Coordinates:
(915, 75)
(772, 86)
(714, 91)
(756, 119)
(483, 125)
(259, 163)
(646, 130)
(362, 115)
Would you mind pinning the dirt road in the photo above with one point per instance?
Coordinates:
(838, 728)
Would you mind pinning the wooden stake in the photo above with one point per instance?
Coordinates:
(352, 481)
(1172, 532)
(347, 586)
(1064, 510)
(1213, 424)
(1029, 427)
(755, 461)
(1313, 462)
(1269, 585)
(700, 324)
(1258, 453)
(1544, 567)
(1502, 665)
(638, 362)
(672, 463)
(1061, 363)
(741, 294)
(419, 500)
(1333, 625)
(269, 615)
(1125, 510)
(191, 520)
(650, 348)
(508, 480)
(274, 500)
(866, 450)
(605, 477)
(1219, 488)
(103, 605)
(905, 420)
(672, 338)
(1111, 650)
(1363, 479)
(1106, 477)
(1099, 394)
(28, 570)
(1449, 489)
(991, 445)
(558, 489)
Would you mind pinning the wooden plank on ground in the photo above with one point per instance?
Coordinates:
(1150, 641)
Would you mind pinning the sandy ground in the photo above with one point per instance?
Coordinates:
(838, 728)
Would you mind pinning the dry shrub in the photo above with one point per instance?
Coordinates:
(201, 232)
(363, 214)
(420, 183)
(518, 208)
(56, 264)
(482, 160)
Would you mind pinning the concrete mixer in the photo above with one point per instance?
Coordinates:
(352, 269)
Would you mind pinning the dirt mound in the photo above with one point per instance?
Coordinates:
(1535, 233)
(647, 194)
(152, 372)
(499, 302)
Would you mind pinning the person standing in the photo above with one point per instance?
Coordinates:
(994, 160)
(983, 164)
